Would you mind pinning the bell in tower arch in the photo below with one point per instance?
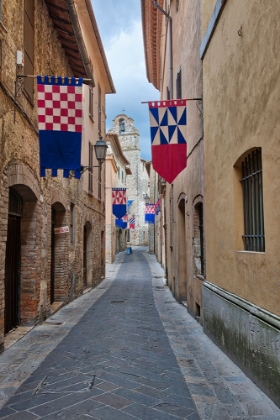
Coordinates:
(122, 125)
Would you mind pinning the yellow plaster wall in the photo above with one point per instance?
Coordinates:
(189, 183)
(206, 13)
(241, 83)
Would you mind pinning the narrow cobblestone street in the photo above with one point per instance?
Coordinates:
(125, 350)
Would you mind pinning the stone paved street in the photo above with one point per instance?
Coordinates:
(126, 350)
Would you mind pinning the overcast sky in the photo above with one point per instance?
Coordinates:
(120, 27)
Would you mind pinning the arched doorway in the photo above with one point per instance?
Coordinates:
(21, 239)
(59, 254)
(52, 257)
(13, 261)
(181, 292)
(87, 256)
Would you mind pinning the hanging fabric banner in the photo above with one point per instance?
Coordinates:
(119, 202)
(60, 124)
(158, 206)
(124, 222)
(150, 213)
(121, 223)
(132, 224)
(129, 202)
(168, 120)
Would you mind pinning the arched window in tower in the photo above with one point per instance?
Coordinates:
(122, 125)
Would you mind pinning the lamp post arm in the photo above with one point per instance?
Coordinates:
(86, 168)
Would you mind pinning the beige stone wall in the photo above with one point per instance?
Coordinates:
(180, 199)
(137, 183)
(207, 9)
(241, 87)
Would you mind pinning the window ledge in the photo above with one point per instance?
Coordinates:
(249, 252)
(199, 277)
(3, 28)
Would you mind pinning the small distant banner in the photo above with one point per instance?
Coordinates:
(63, 229)
(124, 221)
(132, 224)
(168, 120)
(60, 122)
(158, 206)
(119, 202)
(120, 223)
(150, 213)
(129, 202)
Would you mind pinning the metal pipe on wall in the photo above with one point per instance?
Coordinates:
(170, 45)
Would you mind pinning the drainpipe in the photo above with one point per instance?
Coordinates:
(80, 41)
(169, 18)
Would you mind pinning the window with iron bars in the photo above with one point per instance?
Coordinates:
(252, 189)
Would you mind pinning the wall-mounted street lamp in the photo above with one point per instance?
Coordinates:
(100, 148)
(146, 199)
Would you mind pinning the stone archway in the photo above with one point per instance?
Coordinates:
(181, 269)
(21, 249)
(58, 290)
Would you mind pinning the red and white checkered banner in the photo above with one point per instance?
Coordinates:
(60, 122)
(60, 107)
(150, 210)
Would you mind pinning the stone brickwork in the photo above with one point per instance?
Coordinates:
(137, 183)
(44, 254)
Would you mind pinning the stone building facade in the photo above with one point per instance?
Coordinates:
(224, 205)
(52, 229)
(175, 70)
(117, 173)
(138, 183)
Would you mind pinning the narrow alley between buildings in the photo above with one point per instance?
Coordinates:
(125, 350)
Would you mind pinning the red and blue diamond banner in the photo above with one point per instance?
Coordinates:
(150, 210)
(168, 120)
(119, 202)
(60, 124)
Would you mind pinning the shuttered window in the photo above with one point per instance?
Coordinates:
(99, 109)
(179, 85)
(29, 47)
(90, 170)
(99, 182)
(90, 108)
